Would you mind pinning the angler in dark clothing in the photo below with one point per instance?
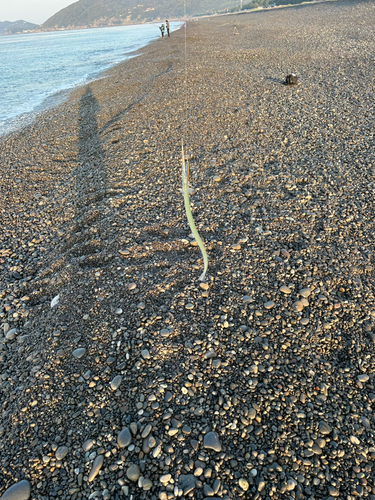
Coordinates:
(167, 26)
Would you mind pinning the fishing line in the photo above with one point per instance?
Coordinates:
(185, 169)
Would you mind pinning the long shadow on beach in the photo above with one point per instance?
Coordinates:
(91, 174)
(91, 187)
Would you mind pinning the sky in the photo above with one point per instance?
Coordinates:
(33, 11)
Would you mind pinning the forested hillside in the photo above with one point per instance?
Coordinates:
(93, 13)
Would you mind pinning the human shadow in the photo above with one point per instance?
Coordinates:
(91, 186)
(91, 173)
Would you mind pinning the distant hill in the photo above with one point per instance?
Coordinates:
(94, 13)
(12, 28)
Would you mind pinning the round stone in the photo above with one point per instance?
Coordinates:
(354, 440)
(291, 484)
(151, 441)
(61, 452)
(146, 354)
(134, 428)
(147, 484)
(19, 491)
(324, 428)
(124, 438)
(285, 289)
(333, 491)
(133, 472)
(96, 466)
(87, 445)
(211, 442)
(11, 335)
(244, 485)
(216, 363)
(305, 292)
(252, 413)
(79, 353)
(198, 471)
(363, 378)
(269, 305)
(165, 478)
(116, 382)
(298, 306)
(146, 431)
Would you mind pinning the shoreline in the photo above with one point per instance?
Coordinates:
(141, 381)
(203, 16)
(19, 122)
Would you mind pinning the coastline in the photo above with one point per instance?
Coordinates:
(261, 381)
(57, 96)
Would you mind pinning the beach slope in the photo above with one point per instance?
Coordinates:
(123, 376)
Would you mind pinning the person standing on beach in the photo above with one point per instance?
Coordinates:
(167, 26)
(162, 29)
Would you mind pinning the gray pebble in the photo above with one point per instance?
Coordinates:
(269, 305)
(133, 472)
(208, 491)
(187, 483)
(146, 431)
(211, 441)
(61, 452)
(87, 445)
(116, 382)
(147, 484)
(324, 428)
(210, 354)
(124, 438)
(19, 491)
(96, 466)
(146, 354)
(216, 363)
(11, 334)
(134, 428)
(79, 353)
(252, 413)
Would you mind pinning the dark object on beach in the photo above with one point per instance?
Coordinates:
(167, 26)
(291, 79)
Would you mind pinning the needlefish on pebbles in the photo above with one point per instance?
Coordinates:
(185, 189)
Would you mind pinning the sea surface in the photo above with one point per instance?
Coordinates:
(37, 70)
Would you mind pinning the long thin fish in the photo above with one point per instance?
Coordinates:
(185, 189)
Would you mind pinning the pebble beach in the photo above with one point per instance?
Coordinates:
(122, 376)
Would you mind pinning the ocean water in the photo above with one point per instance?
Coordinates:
(37, 70)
